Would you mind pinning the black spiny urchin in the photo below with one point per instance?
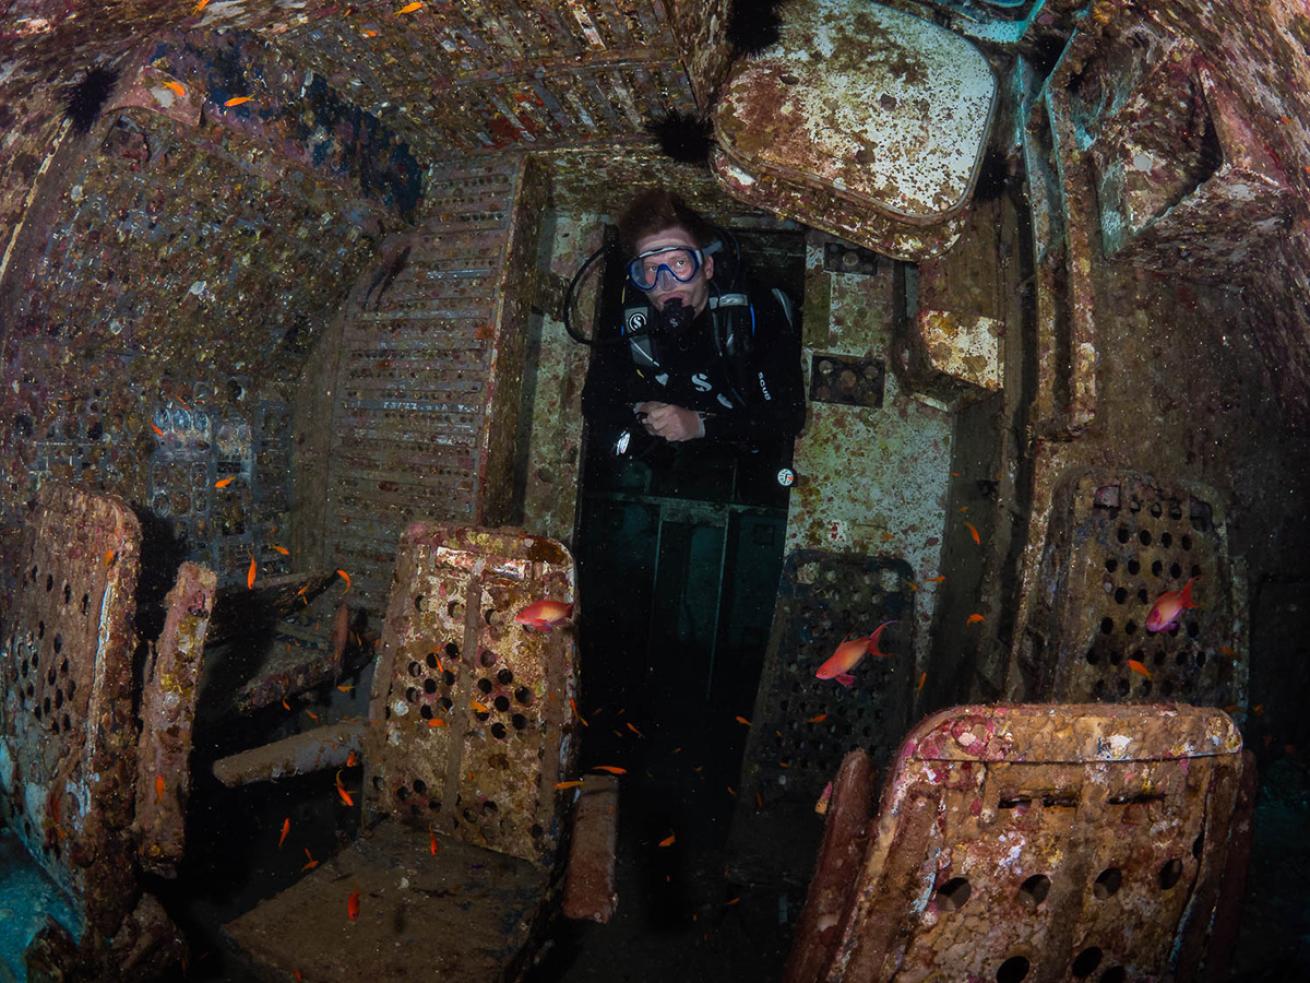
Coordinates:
(753, 25)
(85, 100)
(683, 137)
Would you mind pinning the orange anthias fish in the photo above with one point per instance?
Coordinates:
(352, 759)
(286, 828)
(310, 862)
(156, 428)
(573, 783)
(974, 619)
(432, 844)
(742, 720)
(973, 533)
(818, 718)
(849, 654)
(352, 906)
(1138, 668)
(544, 615)
(224, 482)
(250, 574)
(279, 549)
(669, 840)
(409, 8)
(821, 807)
(346, 577)
(1169, 607)
(612, 769)
(159, 788)
(177, 88)
(578, 713)
(237, 101)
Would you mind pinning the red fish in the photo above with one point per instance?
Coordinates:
(159, 788)
(250, 574)
(669, 840)
(612, 769)
(544, 615)
(352, 906)
(1138, 668)
(849, 654)
(1169, 608)
(310, 862)
(432, 844)
(286, 828)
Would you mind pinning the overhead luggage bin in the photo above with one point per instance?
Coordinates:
(861, 120)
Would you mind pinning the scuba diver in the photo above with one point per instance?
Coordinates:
(701, 362)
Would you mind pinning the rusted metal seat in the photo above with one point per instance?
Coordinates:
(87, 803)
(862, 120)
(470, 728)
(1033, 842)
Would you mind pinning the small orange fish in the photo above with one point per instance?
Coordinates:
(286, 828)
(574, 783)
(544, 615)
(479, 707)
(436, 722)
(1227, 650)
(285, 704)
(742, 720)
(409, 8)
(633, 727)
(224, 482)
(612, 769)
(848, 656)
(731, 901)
(345, 687)
(369, 32)
(237, 101)
(1138, 668)
(346, 797)
(279, 549)
(669, 840)
(821, 807)
(310, 862)
(974, 619)
(578, 713)
(432, 844)
(923, 678)
(973, 533)
(200, 5)
(346, 577)
(109, 557)
(311, 715)
(250, 574)
(818, 718)
(352, 759)
(178, 89)
(936, 580)
(159, 788)
(1169, 607)
(352, 906)
(155, 427)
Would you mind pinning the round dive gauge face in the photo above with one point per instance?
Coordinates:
(786, 477)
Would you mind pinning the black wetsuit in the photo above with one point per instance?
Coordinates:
(753, 399)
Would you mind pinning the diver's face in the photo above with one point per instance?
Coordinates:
(695, 294)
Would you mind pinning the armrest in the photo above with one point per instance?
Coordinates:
(589, 892)
(300, 754)
(845, 833)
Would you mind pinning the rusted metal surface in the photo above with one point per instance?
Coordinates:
(67, 734)
(964, 348)
(590, 181)
(511, 75)
(589, 890)
(429, 372)
(470, 713)
(1223, 934)
(701, 27)
(467, 913)
(1049, 840)
(863, 121)
(1118, 543)
(241, 610)
(299, 754)
(802, 725)
(847, 381)
(872, 482)
(845, 835)
(168, 706)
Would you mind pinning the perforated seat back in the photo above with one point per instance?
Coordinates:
(1046, 842)
(67, 740)
(470, 719)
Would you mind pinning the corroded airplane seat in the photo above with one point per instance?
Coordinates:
(1034, 842)
(470, 728)
(85, 805)
(862, 120)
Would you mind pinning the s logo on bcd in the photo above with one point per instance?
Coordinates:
(701, 382)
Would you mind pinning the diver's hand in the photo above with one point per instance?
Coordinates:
(671, 422)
